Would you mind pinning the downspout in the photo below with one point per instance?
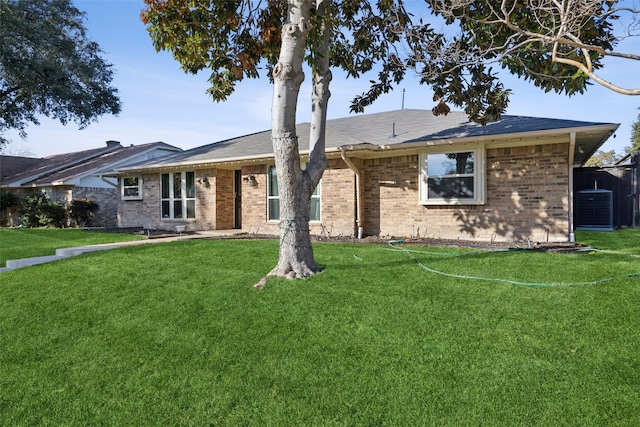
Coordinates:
(572, 149)
(358, 174)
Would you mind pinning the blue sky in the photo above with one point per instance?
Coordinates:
(162, 103)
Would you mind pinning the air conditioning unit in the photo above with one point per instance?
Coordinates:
(594, 210)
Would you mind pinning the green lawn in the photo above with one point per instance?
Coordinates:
(174, 334)
(626, 240)
(16, 243)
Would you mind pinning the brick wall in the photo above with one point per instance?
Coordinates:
(254, 201)
(206, 197)
(146, 212)
(337, 193)
(390, 197)
(526, 199)
(528, 192)
(225, 203)
(107, 200)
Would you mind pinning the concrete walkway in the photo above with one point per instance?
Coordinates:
(79, 250)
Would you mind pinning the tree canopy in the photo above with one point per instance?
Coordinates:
(241, 39)
(603, 158)
(49, 67)
(559, 46)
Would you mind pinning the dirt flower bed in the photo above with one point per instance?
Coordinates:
(557, 247)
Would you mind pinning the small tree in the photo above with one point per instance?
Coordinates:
(81, 210)
(48, 66)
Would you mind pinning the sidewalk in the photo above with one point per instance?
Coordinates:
(79, 250)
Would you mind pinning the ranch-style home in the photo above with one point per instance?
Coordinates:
(404, 173)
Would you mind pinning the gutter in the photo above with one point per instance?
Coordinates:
(358, 174)
(572, 150)
(258, 158)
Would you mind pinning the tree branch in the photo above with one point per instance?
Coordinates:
(567, 27)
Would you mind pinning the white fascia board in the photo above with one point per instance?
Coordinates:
(200, 164)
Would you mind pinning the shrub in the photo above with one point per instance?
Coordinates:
(53, 215)
(36, 210)
(30, 207)
(9, 201)
(81, 210)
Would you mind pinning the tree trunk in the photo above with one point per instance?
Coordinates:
(295, 186)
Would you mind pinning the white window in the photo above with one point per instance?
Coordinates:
(273, 198)
(452, 178)
(131, 188)
(178, 195)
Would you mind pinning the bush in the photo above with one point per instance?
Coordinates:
(36, 210)
(9, 201)
(81, 210)
(53, 215)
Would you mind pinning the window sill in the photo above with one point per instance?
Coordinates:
(452, 202)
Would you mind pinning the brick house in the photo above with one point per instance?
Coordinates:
(401, 173)
(80, 174)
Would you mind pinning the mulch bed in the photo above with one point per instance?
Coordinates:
(558, 247)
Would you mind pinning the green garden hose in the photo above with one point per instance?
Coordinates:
(409, 252)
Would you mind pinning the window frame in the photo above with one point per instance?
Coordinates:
(478, 175)
(123, 187)
(316, 195)
(187, 203)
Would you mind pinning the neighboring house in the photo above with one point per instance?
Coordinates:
(64, 177)
(401, 173)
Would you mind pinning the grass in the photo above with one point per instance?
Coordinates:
(625, 240)
(173, 334)
(16, 243)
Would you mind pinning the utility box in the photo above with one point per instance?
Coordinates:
(594, 210)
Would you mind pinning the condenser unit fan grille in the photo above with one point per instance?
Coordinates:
(594, 210)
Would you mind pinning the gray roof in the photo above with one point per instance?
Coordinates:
(397, 129)
(48, 165)
(60, 168)
(11, 166)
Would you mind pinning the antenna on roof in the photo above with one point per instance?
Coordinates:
(403, 98)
